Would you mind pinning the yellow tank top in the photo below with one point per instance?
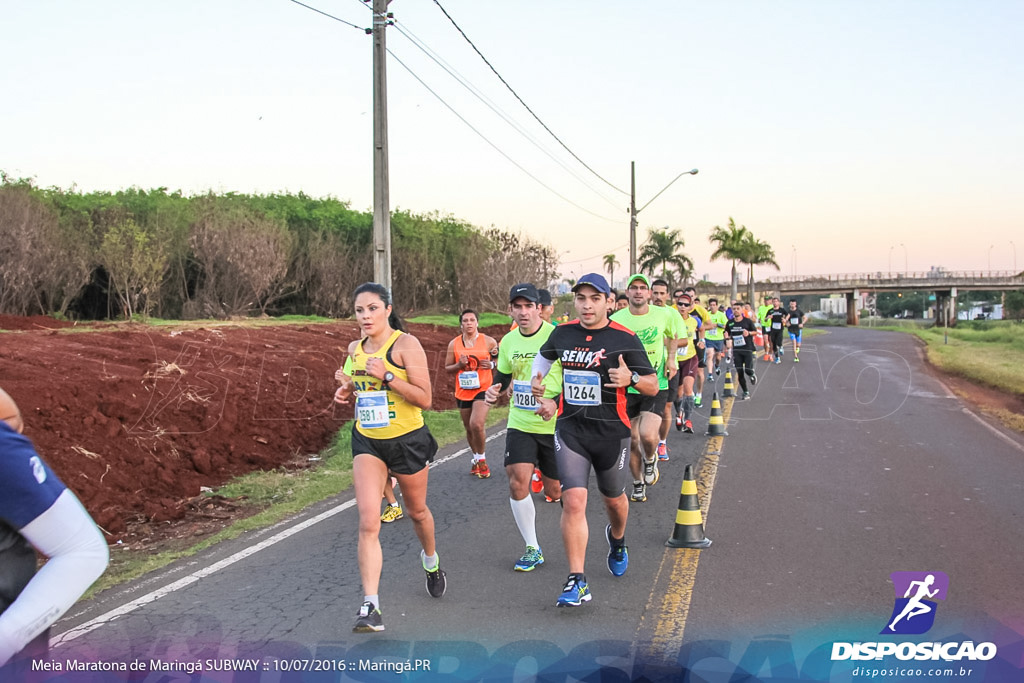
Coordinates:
(380, 413)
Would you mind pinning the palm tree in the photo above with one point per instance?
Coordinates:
(729, 243)
(754, 252)
(665, 247)
(609, 264)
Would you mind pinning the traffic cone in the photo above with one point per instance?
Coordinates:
(727, 387)
(689, 529)
(716, 425)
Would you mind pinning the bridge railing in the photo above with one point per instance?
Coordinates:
(996, 277)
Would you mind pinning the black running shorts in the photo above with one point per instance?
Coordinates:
(406, 454)
(535, 449)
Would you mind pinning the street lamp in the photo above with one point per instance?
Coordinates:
(905, 268)
(633, 211)
(990, 259)
(1014, 257)
(890, 260)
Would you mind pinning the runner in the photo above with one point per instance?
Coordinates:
(703, 322)
(656, 328)
(714, 338)
(599, 360)
(386, 373)
(762, 320)
(470, 356)
(38, 512)
(776, 316)
(621, 302)
(547, 307)
(530, 440)
(686, 356)
(741, 331)
(795, 319)
(659, 298)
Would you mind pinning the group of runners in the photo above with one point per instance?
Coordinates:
(588, 395)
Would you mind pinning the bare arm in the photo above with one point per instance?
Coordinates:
(416, 390)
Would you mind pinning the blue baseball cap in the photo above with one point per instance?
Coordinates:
(595, 280)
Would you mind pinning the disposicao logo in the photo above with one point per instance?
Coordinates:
(913, 613)
(914, 609)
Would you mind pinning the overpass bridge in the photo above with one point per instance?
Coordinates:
(944, 284)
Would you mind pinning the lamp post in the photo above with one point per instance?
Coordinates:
(633, 211)
(890, 260)
(905, 268)
(990, 259)
(1014, 257)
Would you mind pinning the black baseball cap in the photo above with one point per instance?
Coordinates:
(545, 297)
(524, 290)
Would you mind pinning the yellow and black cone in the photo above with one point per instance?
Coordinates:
(716, 424)
(727, 386)
(689, 531)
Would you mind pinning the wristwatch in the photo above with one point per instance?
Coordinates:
(389, 377)
(634, 378)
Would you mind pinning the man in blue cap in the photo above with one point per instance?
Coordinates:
(600, 359)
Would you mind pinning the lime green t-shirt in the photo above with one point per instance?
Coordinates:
(716, 333)
(515, 358)
(762, 315)
(652, 329)
(690, 350)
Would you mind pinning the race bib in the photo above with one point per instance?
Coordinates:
(372, 409)
(522, 396)
(469, 379)
(739, 341)
(582, 387)
(776, 326)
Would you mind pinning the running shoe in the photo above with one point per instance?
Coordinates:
(482, 470)
(530, 560)
(549, 499)
(436, 579)
(618, 556)
(575, 592)
(718, 370)
(711, 377)
(392, 513)
(475, 469)
(679, 422)
(746, 395)
(753, 378)
(368, 620)
(651, 473)
(796, 359)
(688, 427)
(778, 360)
(662, 451)
(696, 400)
(639, 492)
(536, 483)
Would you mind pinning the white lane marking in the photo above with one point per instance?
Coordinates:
(93, 624)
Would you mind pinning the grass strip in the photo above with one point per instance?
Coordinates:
(281, 494)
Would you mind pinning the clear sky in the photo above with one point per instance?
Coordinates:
(853, 136)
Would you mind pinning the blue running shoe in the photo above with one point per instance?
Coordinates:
(575, 593)
(530, 560)
(618, 556)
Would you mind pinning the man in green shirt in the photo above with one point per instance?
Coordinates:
(762, 320)
(714, 338)
(657, 331)
(530, 440)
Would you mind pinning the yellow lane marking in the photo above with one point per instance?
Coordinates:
(670, 609)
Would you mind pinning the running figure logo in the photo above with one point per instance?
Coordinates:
(914, 608)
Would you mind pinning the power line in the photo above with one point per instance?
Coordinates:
(418, 42)
(331, 16)
(496, 148)
(564, 146)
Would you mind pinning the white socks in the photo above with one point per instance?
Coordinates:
(525, 515)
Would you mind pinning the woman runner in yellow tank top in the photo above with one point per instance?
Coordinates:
(387, 379)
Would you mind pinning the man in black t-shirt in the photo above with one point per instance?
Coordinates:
(795, 319)
(740, 331)
(599, 360)
(776, 317)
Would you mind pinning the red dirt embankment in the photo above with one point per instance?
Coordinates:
(135, 419)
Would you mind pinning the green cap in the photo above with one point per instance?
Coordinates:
(638, 276)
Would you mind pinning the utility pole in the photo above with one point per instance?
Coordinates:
(381, 205)
(632, 218)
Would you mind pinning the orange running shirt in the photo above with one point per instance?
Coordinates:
(472, 380)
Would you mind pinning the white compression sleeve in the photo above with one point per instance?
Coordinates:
(77, 554)
(541, 365)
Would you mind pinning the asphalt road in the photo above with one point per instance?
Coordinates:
(853, 464)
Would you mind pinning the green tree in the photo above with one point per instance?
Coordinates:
(729, 245)
(664, 248)
(609, 264)
(136, 263)
(754, 252)
(1013, 305)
